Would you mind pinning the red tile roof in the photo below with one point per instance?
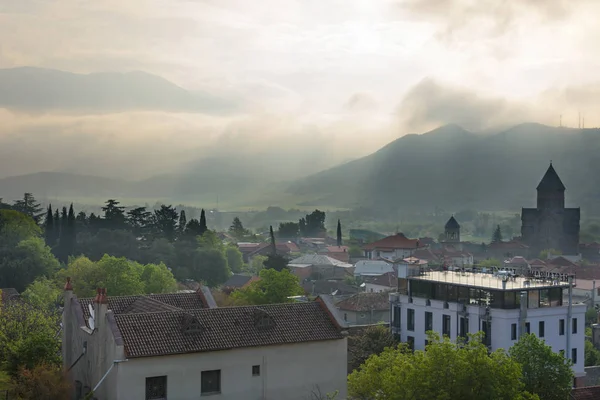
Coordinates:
(164, 333)
(508, 245)
(563, 262)
(586, 393)
(389, 279)
(397, 241)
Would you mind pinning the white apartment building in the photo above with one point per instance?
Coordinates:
(456, 303)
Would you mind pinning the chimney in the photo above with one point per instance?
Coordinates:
(67, 332)
(100, 308)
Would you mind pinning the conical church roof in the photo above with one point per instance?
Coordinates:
(452, 223)
(551, 181)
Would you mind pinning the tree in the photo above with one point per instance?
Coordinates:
(209, 266)
(29, 206)
(140, 221)
(272, 288)
(43, 381)
(235, 260)
(203, 226)
(273, 244)
(182, 223)
(158, 279)
(312, 224)
(118, 243)
(44, 294)
(497, 236)
(446, 370)
(288, 230)
(193, 229)
(373, 340)
(545, 372)
(114, 215)
(277, 262)
(160, 250)
(355, 251)
(545, 254)
(165, 219)
(68, 235)
(28, 337)
(15, 227)
(237, 230)
(22, 264)
(592, 355)
(339, 233)
(49, 231)
(257, 264)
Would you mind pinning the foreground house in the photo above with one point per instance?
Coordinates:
(179, 346)
(457, 303)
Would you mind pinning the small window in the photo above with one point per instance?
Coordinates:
(527, 328)
(256, 370)
(574, 356)
(345, 317)
(574, 325)
(156, 388)
(410, 319)
(211, 382)
(541, 329)
(428, 321)
(561, 327)
(513, 332)
(411, 342)
(446, 325)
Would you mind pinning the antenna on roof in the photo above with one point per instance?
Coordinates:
(91, 321)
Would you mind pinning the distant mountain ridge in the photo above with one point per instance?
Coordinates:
(42, 90)
(449, 167)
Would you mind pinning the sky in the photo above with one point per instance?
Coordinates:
(337, 77)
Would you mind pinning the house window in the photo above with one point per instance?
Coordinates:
(256, 370)
(428, 321)
(464, 327)
(446, 325)
(211, 382)
(561, 327)
(345, 317)
(574, 325)
(397, 317)
(156, 388)
(541, 329)
(527, 328)
(411, 342)
(513, 332)
(410, 319)
(574, 356)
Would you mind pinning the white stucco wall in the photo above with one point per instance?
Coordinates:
(288, 372)
(373, 288)
(501, 322)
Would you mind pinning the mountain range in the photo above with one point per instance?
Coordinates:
(449, 167)
(33, 89)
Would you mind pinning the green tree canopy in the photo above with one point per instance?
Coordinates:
(373, 340)
(16, 226)
(28, 205)
(545, 373)
(43, 293)
(497, 236)
(22, 264)
(235, 260)
(272, 288)
(210, 267)
(158, 279)
(237, 230)
(288, 230)
(445, 371)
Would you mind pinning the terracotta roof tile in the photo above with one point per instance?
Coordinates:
(365, 302)
(586, 393)
(397, 241)
(162, 333)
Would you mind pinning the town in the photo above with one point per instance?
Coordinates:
(295, 313)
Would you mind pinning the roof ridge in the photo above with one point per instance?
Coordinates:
(146, 298)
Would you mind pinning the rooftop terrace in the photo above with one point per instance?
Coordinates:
(488, 281)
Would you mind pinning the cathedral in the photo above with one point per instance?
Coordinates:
(550, 225)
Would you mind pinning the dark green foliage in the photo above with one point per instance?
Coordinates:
(193, 229)
(67, 239)
(372, 340)
(182, 223)
(497, 236)
(273, 243)
(339, 233)
(288, 230)
(203, 226)
(592, 355)
(165, 219)
(313, 224)
(209, 266)
(237, 230)
(140, 221)
(29, 206)
(49, 230)
(277, 262)
(114, 215)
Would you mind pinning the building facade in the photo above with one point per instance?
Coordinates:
(458, 303)
(550, 225)
(180, 346)
(393, 247)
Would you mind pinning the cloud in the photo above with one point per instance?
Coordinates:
(361, 102)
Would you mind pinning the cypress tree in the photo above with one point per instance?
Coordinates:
(273, 245)
(339, 233)
(497, 236)
(182, 222)
(71, 233)
(49, 231)
(203, 227)
(62, 252)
